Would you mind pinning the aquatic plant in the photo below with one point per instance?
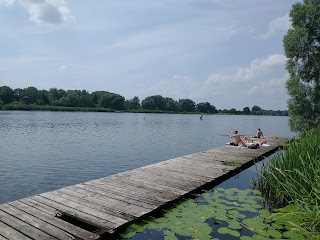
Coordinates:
(293, 176)
(220, 214)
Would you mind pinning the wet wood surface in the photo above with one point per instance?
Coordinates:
(107, 204)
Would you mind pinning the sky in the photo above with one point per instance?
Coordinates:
(225, 52)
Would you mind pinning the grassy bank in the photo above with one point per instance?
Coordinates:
(293, 177)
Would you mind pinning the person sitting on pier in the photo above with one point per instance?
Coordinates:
(259, 134)
(236, 137)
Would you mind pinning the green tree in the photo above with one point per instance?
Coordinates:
(1, 105)
(55, 95)
(233, 111)
(171, 105)
(302, 49)
(206, 107)
(155, 102)
(246, 110)
(6, 94)
(17, 94)
(133, 103)
(31, 93)
(256, 108)
(187, 105)
(112, 100)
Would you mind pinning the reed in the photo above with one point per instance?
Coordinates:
(293, 176)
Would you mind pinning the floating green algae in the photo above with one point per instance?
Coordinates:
(222, 214)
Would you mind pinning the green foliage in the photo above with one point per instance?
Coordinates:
(256, 108)
(133, 104)
(98, 100)
(302, 48)
(229, 211)
(206, 107)
(6, 94)
(112, 100)
(1, 104)
(293, 176)
(187, 105)
(246, 110)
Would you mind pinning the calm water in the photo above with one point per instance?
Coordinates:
(42, 151)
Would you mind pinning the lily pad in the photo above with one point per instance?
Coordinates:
(225, 230)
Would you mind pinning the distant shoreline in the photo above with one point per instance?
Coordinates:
(34, 107)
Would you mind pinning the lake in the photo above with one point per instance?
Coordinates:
(44, 151)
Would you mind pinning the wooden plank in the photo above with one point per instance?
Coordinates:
(95, 190)
(3, 238)
(74, 207)
(77, 214)
(168, 174)
(170, 182)
(36, 222)
(160, 179)
(114, 214)
(40, 206)
(78, 232)
(124, 207)
(196, 169)
(204, 173)
(136, 193)
(9, 233)
(24, 227)
(161, 193)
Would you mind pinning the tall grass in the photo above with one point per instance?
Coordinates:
(293, 176)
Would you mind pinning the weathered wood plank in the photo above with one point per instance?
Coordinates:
(40, 206)
(23, 227)
(3, 238)
(9, 233)
(78, 232)
(95, 190)
(92, 204)
(124, 207)
(135, 193)
(161, 193)
(36, 222)
(76, 213)
(139, 191)
(74, 207)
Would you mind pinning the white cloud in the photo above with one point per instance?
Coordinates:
(62, 68)
(176, 87)
(262, 82)
(7, 2)
(45, 12)
(278, 25)
(223, 3)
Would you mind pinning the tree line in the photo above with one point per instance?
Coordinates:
(33, 98)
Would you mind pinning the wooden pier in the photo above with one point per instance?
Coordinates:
(93, 209)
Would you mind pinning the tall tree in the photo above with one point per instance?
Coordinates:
(302, 48)
(6, 94)
(246, 110)
(187, 105)
(133, 103)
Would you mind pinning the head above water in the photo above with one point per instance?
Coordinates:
(259, 129)
(235, 131)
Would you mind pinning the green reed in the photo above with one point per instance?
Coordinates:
(293, 176)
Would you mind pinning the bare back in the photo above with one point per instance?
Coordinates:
(259, 134)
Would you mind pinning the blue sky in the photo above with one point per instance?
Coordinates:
(227, 52)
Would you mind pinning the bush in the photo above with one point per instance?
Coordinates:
(293, 176)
